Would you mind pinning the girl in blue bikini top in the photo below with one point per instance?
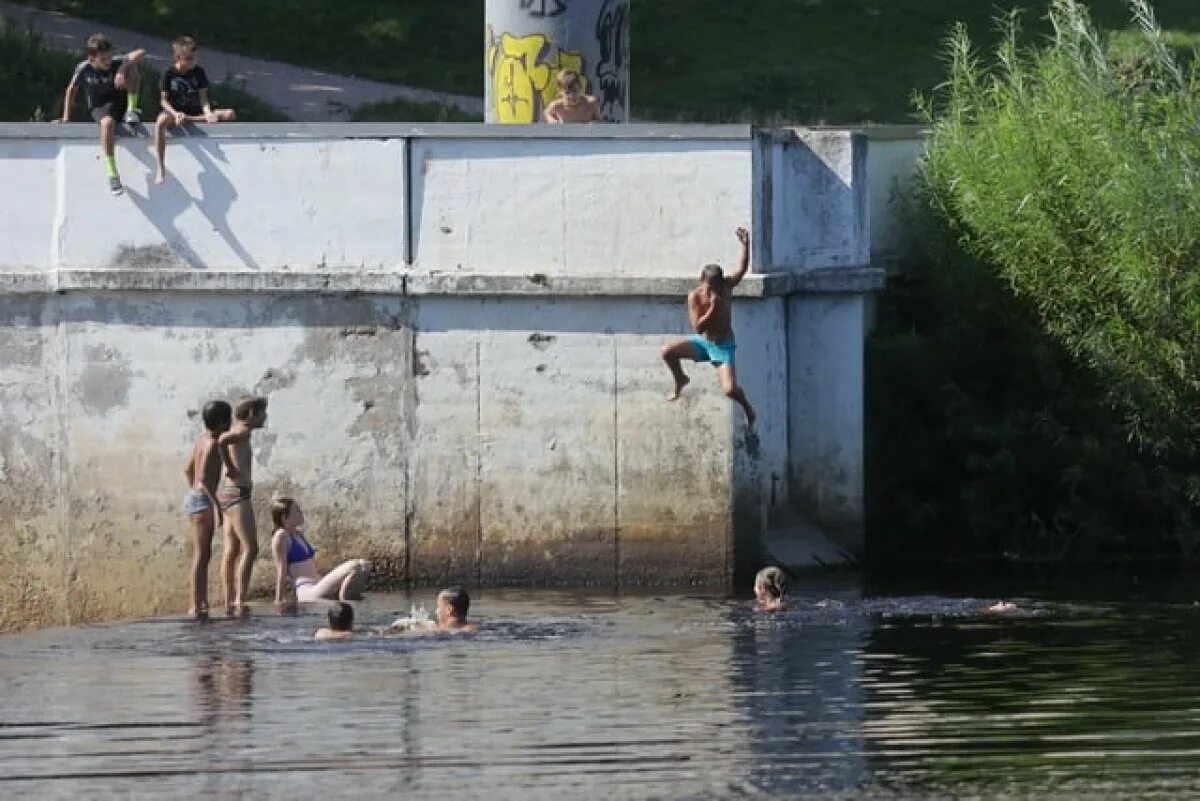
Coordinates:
(294, 562)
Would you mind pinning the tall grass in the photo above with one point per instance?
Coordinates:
(1075, 173)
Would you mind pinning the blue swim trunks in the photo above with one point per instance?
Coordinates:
(716, 352)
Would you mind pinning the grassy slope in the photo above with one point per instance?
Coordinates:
(34, 79)
(835, 61)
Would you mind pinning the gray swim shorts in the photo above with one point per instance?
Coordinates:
(196, 502)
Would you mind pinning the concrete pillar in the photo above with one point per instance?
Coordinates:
(528, 41)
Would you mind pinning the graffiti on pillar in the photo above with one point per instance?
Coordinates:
(612, 34)
(544, 8)
(522, 71)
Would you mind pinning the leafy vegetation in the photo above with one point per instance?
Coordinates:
(1051, 353)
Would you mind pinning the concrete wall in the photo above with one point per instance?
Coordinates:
(458, 333)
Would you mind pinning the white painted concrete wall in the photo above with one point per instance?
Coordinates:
(520, 205)
(818, 195)
(473, 430)
(618, 207)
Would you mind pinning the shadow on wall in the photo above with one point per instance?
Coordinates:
(162, 206)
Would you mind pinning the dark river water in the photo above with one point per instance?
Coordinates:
(568, 696)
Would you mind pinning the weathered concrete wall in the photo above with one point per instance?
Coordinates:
(458, 333)
(527, 42)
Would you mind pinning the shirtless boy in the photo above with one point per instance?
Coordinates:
(710, 307)
(572, 105)
(233, 496)
(203, 471)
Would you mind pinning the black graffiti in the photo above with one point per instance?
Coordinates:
(544, 8)
(612, 34)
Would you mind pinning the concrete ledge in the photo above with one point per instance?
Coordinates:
(389, 130)
(417, 284)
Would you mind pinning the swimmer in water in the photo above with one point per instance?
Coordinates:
(294, 560)
(770, 589)
(203, 471)
(341, 623)
(453, 603)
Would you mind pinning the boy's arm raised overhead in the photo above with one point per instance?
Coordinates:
(743, 260)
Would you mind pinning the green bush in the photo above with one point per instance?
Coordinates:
(1078, 181)
(1035, 389)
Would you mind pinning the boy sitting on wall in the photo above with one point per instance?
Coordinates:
(110, 84)
(184, 91)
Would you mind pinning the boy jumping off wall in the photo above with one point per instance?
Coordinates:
(710, 307)
(111, 85)
(184, 95)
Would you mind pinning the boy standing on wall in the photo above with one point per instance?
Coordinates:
(710, 309)
(111, 85)
(184, 92)
(203, 471)
(572, 105)
(233, 496)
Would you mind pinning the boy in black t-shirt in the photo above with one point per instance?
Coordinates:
(111, 85)
(184, 91)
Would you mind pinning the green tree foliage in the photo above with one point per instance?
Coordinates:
(1046, 356)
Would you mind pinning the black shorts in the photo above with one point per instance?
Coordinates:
(113, 108)
(191, 111)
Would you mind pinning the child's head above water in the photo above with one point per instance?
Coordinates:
(217, 416)
(770, 587)
(453, 603)
(341, 617)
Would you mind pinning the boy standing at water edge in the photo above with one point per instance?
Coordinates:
(111, 85)
(184, 92)
(241, 533)
(710, 310)
(203, 471)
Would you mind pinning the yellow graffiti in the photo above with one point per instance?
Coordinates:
(522, 69)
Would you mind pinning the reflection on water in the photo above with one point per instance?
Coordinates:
(642, 697)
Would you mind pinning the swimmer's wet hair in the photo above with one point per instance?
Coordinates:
(281, 507)
(217, 415)
(341, 616)
(773, 581)
(713, 274)
(458, 599)
(248, 407)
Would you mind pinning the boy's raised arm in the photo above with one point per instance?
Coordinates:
(743, 260)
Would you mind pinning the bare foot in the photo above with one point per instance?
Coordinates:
(160, 176)
(679, 385)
